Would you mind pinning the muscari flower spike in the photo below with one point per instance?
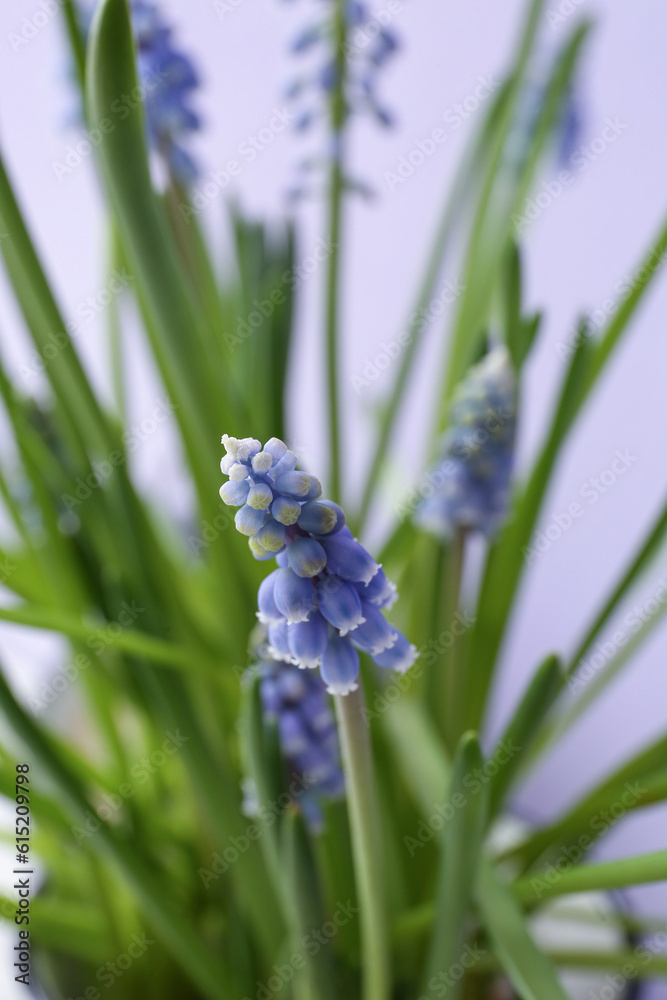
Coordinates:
(325, 600)
(533, 98)
(169, 78)
(297, 701)
(369, 47)
(470, 485)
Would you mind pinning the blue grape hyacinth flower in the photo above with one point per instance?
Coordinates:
(469, 488)
(169, 79)
(369, 45)
(297, 701)
(324, 603)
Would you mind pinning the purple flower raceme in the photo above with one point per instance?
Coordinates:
(570, 127)
(325, 600)
(368, 47)
(297, 701)
(534, 96)
(470, 485)
(168, 80)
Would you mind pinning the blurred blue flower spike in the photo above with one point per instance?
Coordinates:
(349, 55)
(470, 485)
(297, 701)
(325, 600)
(368, 47)
(169, 80)
(570, 127)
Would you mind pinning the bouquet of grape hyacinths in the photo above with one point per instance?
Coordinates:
(255, 779)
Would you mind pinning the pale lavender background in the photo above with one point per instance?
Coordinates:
(579, 248)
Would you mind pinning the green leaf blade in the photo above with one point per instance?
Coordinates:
(529, 969)
(462, 847)
(524, 725)
(604, 877)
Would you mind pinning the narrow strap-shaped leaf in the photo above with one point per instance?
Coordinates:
(643, 964)
(632, 923)
(522, 728)
(168, 920)
(420, 755)
(604, 877)
(127, 640)
(646, 553)
(589, 690)
(48, 329)
(264, 766)
(618, 323)
(313, 981)
(520, 330)
(85, 431)
(259, 362)
(58, 556)
(626, 788)
(639, 963)
(76, 41)
(506, 559)
(215, 784)
(417, 325)
(65, 926)
(462, 844)
(530, 971)
(335, 864)
(510, 175)
(578, 831)
(416, 922)
(173, 321)
(489, 146)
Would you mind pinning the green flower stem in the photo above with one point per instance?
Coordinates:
(366, 843)
(448, 681)
(333, 281)
(336, 191)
